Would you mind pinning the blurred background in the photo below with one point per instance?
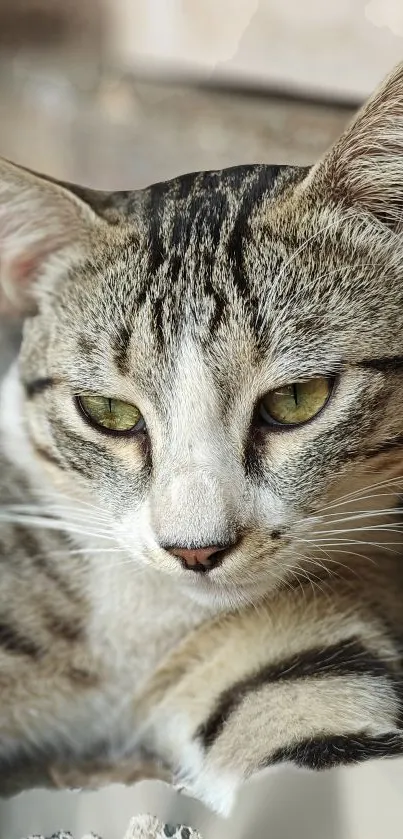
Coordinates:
(120, 93)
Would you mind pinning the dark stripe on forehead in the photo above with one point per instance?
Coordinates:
(37, 386)
(155, 242)
(391, 364)
(259, 185)
(189, 220)
(120, 344)
(347, 658)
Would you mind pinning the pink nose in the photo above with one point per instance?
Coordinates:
(198, 559)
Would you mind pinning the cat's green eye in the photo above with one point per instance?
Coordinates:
(110, 415)
(297, 403)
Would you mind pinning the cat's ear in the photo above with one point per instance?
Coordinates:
(364, 169)
(44, 227)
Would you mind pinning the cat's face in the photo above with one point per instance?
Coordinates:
(240, 334)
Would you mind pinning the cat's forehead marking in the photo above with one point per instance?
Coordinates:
(195, 219)
(231, 260)
(189, 268)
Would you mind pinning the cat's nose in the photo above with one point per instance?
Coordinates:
(199, 559)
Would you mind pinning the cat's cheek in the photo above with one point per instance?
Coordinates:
(133, 452)
(135, 533)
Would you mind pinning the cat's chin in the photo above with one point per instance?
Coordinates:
(223, 597)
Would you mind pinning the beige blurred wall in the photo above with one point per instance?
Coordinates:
(334, 48)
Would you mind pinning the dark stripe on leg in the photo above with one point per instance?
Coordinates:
(12, 641)
(332, 750)
(346, 658)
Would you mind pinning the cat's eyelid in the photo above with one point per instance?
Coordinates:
(90, 394)
(302, 381)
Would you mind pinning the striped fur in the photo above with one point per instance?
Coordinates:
(191, 300)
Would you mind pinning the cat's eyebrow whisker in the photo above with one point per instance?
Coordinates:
(263, 304)
(302, 247)
(293, 256)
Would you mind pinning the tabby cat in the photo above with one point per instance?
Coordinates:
(201, 461)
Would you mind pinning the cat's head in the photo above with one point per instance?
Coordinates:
(211, 361)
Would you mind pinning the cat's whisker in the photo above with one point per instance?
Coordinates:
(376, 511)
(351, 568)
(135, 569)
(351, 497)
(383, 527)
(336, 543)
(74, 501)
(336, 562)
(335, 518)
(55, 513)
(324, 564)
(53, 524)
(88, 551)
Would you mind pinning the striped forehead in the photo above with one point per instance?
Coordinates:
(194, 214)
(196, 231)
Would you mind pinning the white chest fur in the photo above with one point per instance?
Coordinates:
(138, 615)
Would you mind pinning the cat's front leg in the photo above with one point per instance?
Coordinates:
(300, 699)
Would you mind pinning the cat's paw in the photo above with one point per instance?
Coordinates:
(193, 772)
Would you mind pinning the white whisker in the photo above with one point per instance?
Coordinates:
(52, 524)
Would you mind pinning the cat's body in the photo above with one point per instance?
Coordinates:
(81, 635)
(210, 383)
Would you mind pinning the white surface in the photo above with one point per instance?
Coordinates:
(360, 803)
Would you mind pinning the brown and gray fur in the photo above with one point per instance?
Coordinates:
(191, 299)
